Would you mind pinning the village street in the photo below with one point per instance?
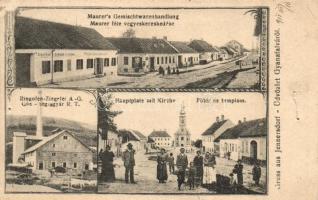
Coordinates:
(191, 75)
(145, 176)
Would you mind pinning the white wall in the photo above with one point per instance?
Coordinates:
(30, 158)
(261, 147)
(185, 58)
(208, 140)
(37, 56)
(146, 62)
(207, 56)
(163, 142)
(230, 145)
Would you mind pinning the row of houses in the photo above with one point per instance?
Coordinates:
(48, 52)
(245, 141)
(118, 140)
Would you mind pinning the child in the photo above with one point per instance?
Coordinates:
(233, 182)
(192, 175)
(171, 163)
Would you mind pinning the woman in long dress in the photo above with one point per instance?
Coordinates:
(198, 163)
(162, 174)
(108, 172)
(209, 174)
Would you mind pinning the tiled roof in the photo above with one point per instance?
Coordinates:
(214, 127)
(253, 128)
(159, 134)
(182, 47)
(229, 50)
(127, 135)
(142, 45)
(49, 138)
(201, 46)
(38, 34)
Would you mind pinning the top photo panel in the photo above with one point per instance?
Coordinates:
(182, 49)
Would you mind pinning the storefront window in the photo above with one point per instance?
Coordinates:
(89, 63)
(46, 67)
(79, 64)
(58, 66)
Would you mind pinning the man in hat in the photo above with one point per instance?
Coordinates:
(129, 163)
(182, 164)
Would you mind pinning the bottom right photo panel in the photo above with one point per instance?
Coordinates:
(175, 143)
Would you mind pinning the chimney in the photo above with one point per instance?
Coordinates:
(222, 117)
(239, 121)
(39, 123)
(244, 119)
(154, 37)
(217, 119)
(165, 38)
(18, 145)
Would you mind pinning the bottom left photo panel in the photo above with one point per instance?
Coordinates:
(51, 141)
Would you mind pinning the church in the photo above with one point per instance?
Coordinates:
(182, 136)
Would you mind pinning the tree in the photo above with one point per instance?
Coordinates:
(257, 14)
(198, 143)
(106, 115)
(129, 33)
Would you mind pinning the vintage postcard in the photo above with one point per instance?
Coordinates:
(182, 143)
(141, 48)
(158, 99)
(50, 147)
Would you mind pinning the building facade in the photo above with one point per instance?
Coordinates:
(214, 131)
(60, 149)
(48, 52)
(246, 141)
(182, 136)
(205, 50)
(187, 57)
(138, 56)
(161, 139)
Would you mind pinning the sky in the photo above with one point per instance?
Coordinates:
(216, 26)
(85, 113)
(199, 116)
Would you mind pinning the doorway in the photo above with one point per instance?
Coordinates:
(98, 66)
(254, 150)
(152, 64)
(180, 61)
(23, 70)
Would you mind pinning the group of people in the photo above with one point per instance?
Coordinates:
(107, 158)
(162, 72)
(201, 171)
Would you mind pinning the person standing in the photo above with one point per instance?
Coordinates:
(129, 163)
(108, 172)
(162, 174)
(171, 163)
(256, 173)
(209, 174)
(198, 163)
(238, 170)
(182, 164)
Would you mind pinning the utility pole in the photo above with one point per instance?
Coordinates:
(52, 65)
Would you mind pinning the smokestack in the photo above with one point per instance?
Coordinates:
(217, 119)
(239, 121)
(222, 117)
(39, 123)
(18, 145)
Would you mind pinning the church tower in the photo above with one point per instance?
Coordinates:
(182, 136)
